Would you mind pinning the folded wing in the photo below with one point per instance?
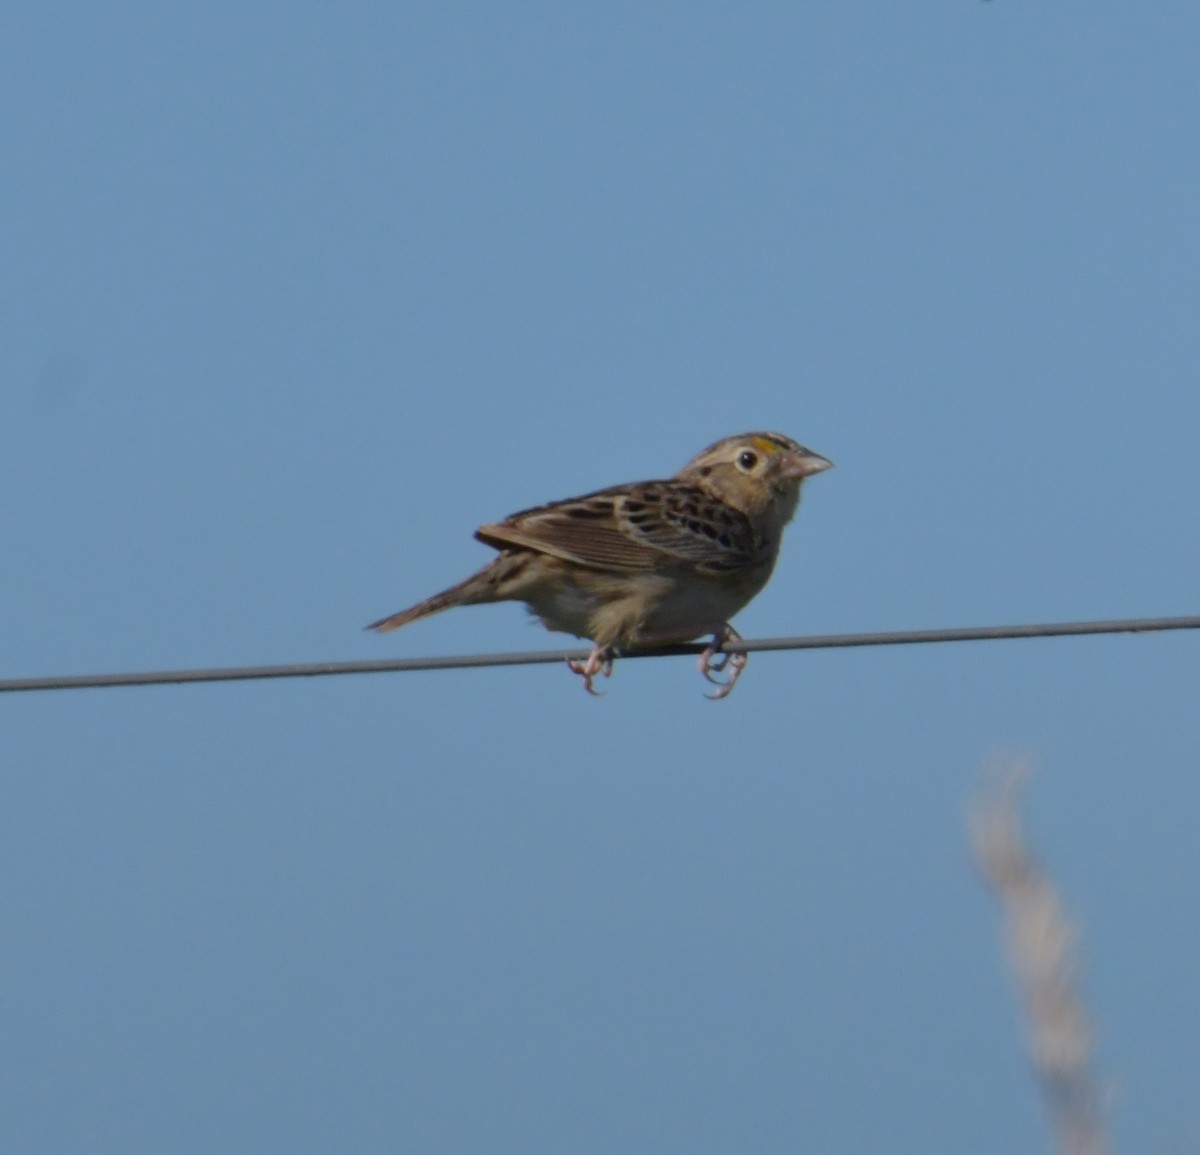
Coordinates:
(631, 529)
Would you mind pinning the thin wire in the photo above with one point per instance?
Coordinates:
(540, 657)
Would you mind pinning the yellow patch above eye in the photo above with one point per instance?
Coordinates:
(765, 446)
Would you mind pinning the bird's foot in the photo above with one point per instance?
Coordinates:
(599, 661)
(715, 660)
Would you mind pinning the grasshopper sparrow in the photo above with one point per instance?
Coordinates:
(651, 563)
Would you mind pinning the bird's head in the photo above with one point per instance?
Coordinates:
(757, 473)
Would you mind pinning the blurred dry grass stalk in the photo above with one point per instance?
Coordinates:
(1041, 951)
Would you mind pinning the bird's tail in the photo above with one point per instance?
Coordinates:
(478, 588)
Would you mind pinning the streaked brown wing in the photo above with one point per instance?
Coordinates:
(632, 529)
(683, 521)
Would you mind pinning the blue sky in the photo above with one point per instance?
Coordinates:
(294, 297)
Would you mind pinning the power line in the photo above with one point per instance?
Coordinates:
(540, 657)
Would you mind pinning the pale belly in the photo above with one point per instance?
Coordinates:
(624, 610)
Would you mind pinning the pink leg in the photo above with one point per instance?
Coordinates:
(711, 664)
(599, 661)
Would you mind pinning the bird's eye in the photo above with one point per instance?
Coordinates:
(747, 460)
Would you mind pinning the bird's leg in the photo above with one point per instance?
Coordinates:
(711, 664)
(599, 661)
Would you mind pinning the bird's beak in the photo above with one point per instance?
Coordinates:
(798, 466)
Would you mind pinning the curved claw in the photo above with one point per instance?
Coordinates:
(715, 665)
(597, 662)
(724, 689)
(714, 660)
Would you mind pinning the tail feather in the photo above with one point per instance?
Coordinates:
(479, 587)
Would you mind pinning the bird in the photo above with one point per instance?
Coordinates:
(649, 563)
